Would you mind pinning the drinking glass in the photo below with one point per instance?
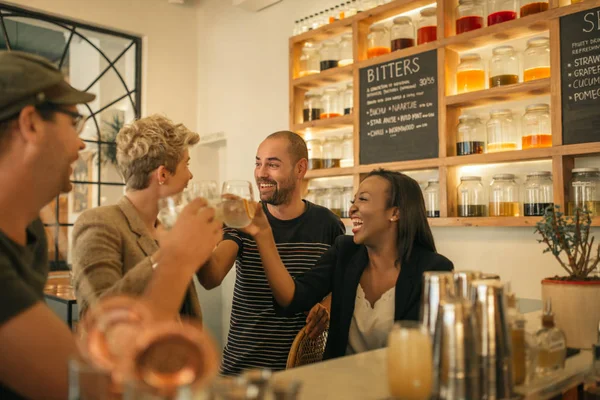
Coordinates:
(410, 361)
(206, 189)
(88, 382)
(236, 207)
(169, 207)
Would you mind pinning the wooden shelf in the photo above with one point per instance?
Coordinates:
(517, 91)
(325, 78)
(325, 124)
(492, 221)
(329, 172)
(501, 157)
(324, 32)
(409, 165)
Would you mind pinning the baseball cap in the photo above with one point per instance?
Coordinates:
(28, 79)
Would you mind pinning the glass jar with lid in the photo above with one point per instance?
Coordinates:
(347, 197)
(403, 33)
(502, 134)
(470, 73)
(471, 197)
(330, 55)
(431, 196)
(332, 152)
(347, 151)
(504, 196)
(539, 193)
(536, 59)
(349, 99)
(536, 127)
(332, 103)
(315, 153)
(504, 66)
(312, 108)
(320, 197)
(378, 41)
(529, 7)
(309, 60)
(332, 199)
(501, 11)
(311, 194)
(346, 55)
(470, 138)
(469, 16)
(427, 26)
(585, 191)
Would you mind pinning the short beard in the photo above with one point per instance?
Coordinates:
(280, 196)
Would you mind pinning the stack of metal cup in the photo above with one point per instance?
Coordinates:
(437, 286)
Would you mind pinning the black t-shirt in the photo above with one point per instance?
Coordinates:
(23, 274)
(257, 337)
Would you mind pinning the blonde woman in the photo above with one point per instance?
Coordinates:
(115, 247)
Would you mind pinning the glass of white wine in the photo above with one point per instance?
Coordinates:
(236, 207)
(169, 207)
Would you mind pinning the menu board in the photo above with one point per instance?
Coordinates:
(580, 76)
(399, 109)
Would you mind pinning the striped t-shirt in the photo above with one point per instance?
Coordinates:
(257, 337)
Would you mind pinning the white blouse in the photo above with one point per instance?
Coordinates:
(370, 326)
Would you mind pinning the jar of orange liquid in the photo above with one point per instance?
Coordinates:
(501, 132)
(536, 127)
(427, 26)
(536, 59)
(332, 103)
(378, 41)
(470, 74)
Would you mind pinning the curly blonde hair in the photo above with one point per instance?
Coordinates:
(148, 143)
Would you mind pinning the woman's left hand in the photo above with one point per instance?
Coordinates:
(317, 321)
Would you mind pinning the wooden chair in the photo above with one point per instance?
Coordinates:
(306, 350)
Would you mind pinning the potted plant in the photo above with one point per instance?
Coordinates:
(576, 296)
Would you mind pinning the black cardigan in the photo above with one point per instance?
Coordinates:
(338, 272)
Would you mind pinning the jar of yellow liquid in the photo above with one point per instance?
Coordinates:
(584, 193)
(470, 74)
(501, 132)
(536, 127)
(536, 59)
(504, 196)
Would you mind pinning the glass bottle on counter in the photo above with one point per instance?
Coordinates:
(332, 103)
(470, 73)
(378, 41)
(403, 33)
(347, 197)
(470, 138)
(585, 191)
(501, 11)
(315, 153)
(539, 193)
(469, 16)
(349, 99)
(504, 66)
(529, 7)
(516, 322)
(432, 198)
(347, 151)
(427, 26)
(309, 60)
(551, 344)
(346, 56)
(502, 134)
(332, 199)
(332, 152)
(536, 127)
(330, 55)
(536, 59)
(471, 197)
(312, 107)
(504, 196)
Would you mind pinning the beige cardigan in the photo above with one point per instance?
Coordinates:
(111, 255)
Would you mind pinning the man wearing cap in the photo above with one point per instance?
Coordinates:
(39, 140)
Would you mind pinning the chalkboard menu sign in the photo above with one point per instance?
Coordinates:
(580, 76)
(399, 110)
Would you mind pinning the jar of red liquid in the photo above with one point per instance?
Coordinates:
(529, 7)
(501, 11)
(536, 60)
(427, 26)
(469, 16)
(378, 41)
(331, 102)
(470, 74)
(536, 127)
(504, 66)
(403, 33)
